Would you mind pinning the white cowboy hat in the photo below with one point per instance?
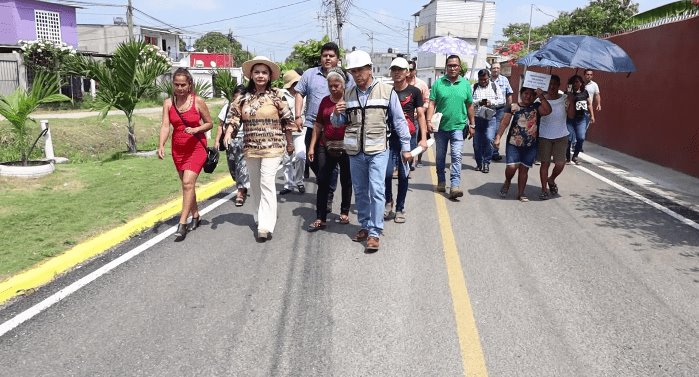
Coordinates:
(273, 67)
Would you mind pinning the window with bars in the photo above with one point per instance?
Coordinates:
(150, 40)
(48, 25)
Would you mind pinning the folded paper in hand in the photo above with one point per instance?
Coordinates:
(485, 112)
(436, 118)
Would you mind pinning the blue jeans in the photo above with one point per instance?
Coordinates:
(499, 114)
(442, 139)
(577, 129)
(393, 160)
(368, 180)
(483, 140)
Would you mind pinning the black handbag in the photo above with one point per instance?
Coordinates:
(211, 153)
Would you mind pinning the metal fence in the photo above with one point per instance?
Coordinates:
(9, 76)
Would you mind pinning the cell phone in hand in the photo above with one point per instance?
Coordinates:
(484, 102)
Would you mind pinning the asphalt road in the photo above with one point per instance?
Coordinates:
(591, 283)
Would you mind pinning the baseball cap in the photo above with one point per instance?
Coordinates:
(400, 63)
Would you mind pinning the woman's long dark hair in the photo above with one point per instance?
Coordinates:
(251, 83)
(183, 72)
(572, 79)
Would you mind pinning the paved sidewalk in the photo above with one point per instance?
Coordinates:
(671, 184)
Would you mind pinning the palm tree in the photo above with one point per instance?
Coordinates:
(18, 105)
(224, 81)
(126, 77)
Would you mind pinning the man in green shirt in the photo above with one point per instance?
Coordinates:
(451, 96)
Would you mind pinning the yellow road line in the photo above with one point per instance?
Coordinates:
(48, 270)
(471, 352)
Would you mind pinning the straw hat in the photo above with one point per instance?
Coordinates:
(273, 67)
(290, 78)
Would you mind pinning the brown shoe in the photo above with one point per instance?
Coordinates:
(361, 235)
(455, 192)
(372, 245)
(441, 187)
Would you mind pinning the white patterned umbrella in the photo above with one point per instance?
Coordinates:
(448, 45)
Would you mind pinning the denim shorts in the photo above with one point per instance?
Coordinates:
(515, 155)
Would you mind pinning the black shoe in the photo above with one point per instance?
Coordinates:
(181, 232)
(196, 221)
(285, 191)
(486, 168)
(497, 157)
(302, 189)
(478, 168)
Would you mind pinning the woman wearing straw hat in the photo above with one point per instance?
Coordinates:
(267, 123)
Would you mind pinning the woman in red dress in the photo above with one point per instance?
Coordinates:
(188, 143)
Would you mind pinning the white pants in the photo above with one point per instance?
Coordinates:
(263, 172)
(294, 166)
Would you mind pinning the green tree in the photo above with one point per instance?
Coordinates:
(18, 105)
(129, 75)
(599, 17)
(307, 54)
(213, 42)
(219, 42)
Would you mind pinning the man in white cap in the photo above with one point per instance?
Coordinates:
(374, 111)
(294, 165)
(410, 98)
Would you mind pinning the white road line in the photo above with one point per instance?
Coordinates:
(641, 198)
(72, 288)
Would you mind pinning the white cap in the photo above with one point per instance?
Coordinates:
(358, 59)
(400, 63)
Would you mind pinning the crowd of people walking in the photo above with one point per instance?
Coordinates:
(346, 123)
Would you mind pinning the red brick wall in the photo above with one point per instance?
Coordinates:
(651, 114)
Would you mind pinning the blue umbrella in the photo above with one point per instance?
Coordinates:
(530, 60)
(582, 51)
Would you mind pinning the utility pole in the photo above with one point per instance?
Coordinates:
(371, 38)
(129, 19)
(408, 49)
(529, 38)
(478, 40)
(338, 18)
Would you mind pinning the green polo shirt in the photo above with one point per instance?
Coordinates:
(452, 100)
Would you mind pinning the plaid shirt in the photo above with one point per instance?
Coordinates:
(480, 93)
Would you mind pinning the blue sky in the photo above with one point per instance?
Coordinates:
(274, 32)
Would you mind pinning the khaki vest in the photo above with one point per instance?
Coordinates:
(367, 130)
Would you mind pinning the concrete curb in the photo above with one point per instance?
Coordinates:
(46, 271)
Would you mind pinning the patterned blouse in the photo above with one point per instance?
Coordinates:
(265, 117)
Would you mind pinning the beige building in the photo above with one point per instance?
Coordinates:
(104, 39)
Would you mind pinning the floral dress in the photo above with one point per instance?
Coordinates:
(524, 128)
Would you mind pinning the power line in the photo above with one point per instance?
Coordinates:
(249, 14)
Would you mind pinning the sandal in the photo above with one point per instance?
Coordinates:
(544, 195)
(240, 199)
(523, 198)
(504, 189)
(344, 219)
(317, 225)
(553, 187)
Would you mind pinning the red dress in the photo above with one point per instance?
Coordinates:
(188, 151)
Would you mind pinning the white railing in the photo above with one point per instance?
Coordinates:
(656, 23)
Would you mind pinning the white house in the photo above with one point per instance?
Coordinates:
(456, 18)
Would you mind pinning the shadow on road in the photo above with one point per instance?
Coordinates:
(614, 210)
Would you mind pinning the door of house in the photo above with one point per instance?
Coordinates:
(9, 76)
